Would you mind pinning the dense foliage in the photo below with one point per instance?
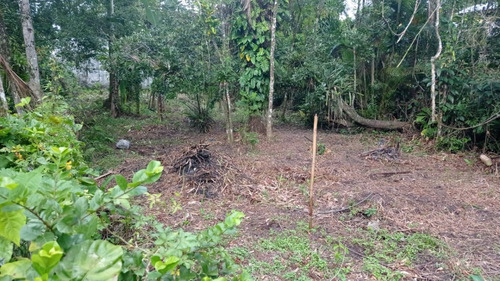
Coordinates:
(58, 223)
(377, 58)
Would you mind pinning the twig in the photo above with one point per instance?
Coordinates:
(345, 208)
(125, 242)
(104, 175)
(388, 174)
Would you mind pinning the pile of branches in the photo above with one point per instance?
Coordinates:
(385, 153)
(201, 169)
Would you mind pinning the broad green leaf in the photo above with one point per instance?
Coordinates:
(11, 224)
(121, 181)
(41, 240)
(16, 270)
(91, 261)
(42, 161)
(133, 261)
(80, 207)
(96, 201)
(87, 181)
(123, 202)
(32, 230)
(138, 191)
(141, 177)
(8, 183)
(88, 227)
(234, 219)
(153, 168)
(47, 258)
(10, 208)
(164, 266)
(5, 250)
(68, 242)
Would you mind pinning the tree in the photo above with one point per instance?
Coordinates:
(31, 55)
(17, 86)
(434, 14)
(269, 121)
(113, 77)
(3, 99)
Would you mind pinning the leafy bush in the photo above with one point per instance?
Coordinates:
(26, 141)
(53, 219)
(452, 144)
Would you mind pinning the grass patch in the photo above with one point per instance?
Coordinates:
(385, 252)
(296, 255)
(300, 254)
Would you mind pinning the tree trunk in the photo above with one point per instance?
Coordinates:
(160, 106)
(229, 120)
(269, 121)
(11, 77)
(17, 85)
(29, 42)
(284, 106)
(113, 77)
(3, 100)
(377, 124)
(222, 56)
(434, 58)
(113, 94)
(352, 96)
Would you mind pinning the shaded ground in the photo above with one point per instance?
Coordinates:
(440, 195)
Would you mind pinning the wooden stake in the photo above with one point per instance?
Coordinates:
(311, 194)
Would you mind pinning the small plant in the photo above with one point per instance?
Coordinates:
(200, 118)
(321, 148)
(452, 144)
(370, 212)
(304, 190)
(175, 206)
(250, 138)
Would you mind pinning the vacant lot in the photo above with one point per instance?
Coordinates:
(420, 216)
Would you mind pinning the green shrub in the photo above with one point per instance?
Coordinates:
(57, 223)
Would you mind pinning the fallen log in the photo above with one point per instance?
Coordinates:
(377, 124)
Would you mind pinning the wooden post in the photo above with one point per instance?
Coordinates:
(311, 193)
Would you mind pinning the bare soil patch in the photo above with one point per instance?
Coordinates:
(437, 194)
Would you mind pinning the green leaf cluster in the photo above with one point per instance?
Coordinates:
(59, 215)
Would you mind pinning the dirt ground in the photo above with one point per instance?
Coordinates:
(449, 196)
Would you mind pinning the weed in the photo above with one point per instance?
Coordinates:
(370, 212)
(304, 190)
(207, 215)
(176, 206)
(293, 255)
(383, 248)
(240, 252)
(250, 138)
(321, 148)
